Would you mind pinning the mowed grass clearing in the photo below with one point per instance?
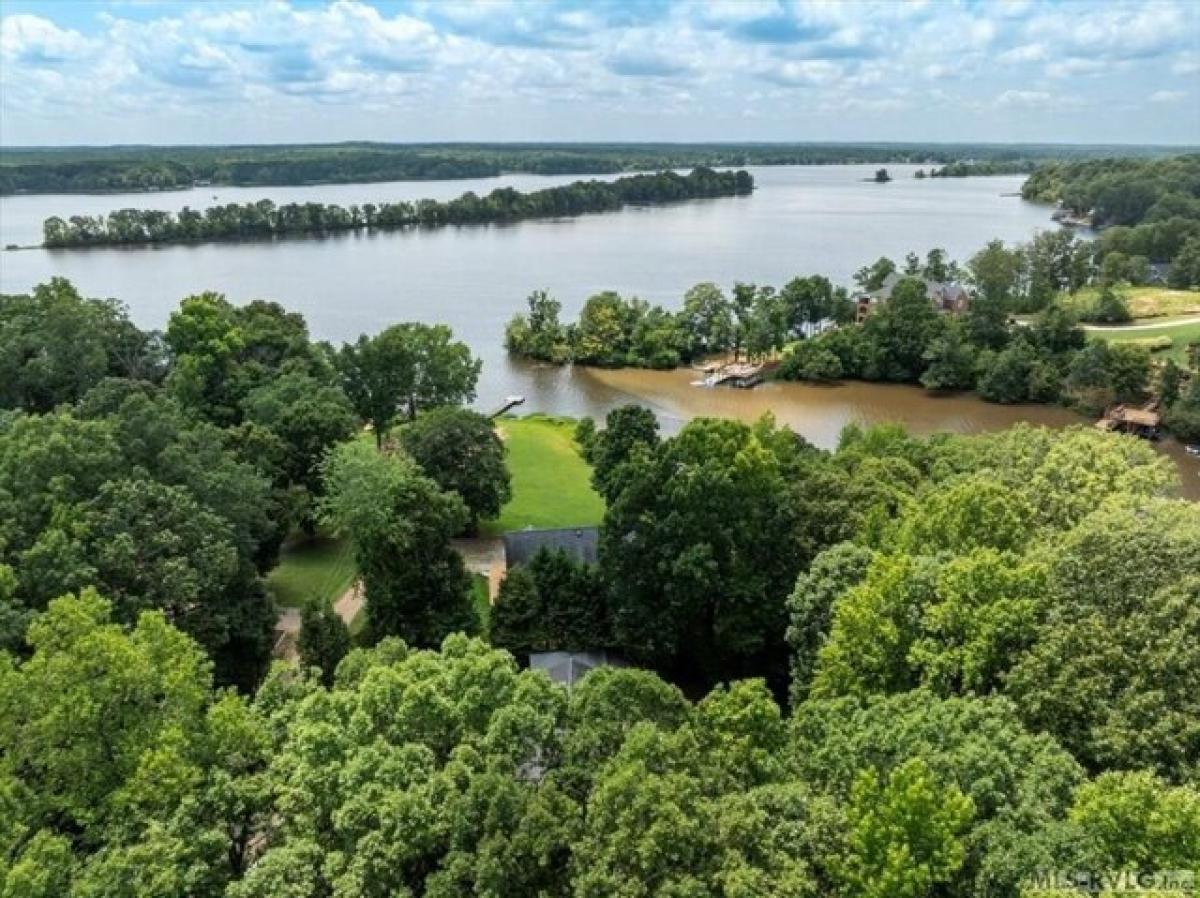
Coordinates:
(551, 483)
(551, 488)
(321, 568)
(1180, 336)
(1144, 302)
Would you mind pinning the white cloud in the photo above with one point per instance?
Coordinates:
(605, 69)
(1024, 53)
(1168, 96)
(1186, 64)
(1073, 66)
(1037, 99)
(802, 73)
(37, 41)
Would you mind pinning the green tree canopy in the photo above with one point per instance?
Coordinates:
(405, 369)
(55, 346)
(461, 452)
(401, 524)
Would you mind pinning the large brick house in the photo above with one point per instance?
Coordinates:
(946, 296)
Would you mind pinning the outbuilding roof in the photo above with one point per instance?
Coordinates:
(567, 668)
(580, 543)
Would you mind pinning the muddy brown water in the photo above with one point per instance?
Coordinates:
(819, 413)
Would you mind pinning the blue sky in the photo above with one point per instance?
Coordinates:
(226, 71)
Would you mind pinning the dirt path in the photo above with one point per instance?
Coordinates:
(287, 627)
(350, 603)
(1154, 325)
(287, 632)
(484, 555)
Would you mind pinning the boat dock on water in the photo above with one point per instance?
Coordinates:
(742, 375)
(1142, 422)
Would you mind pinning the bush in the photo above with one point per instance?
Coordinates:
(1109, 307)
(811, 360)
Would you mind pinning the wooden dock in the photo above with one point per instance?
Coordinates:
(742, 375)
(510, 403)
(1142, 422)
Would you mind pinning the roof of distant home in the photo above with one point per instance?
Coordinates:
(578, 542)
(939, 289)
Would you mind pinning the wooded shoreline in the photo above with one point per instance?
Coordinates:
(264, 218)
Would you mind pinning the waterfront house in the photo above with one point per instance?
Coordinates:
(948, 297)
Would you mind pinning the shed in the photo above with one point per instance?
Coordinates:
(580, 543)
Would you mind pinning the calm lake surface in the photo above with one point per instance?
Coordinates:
(800, 220)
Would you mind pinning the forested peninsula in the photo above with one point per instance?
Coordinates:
(265, 219)
(123, 169)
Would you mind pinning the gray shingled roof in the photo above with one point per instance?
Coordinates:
(579, 542)
(567, 668)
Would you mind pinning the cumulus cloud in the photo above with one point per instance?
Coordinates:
(35, 41)
(802, 73)
(529, 70)
(642, 64)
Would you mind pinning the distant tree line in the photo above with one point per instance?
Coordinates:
(1148, 208)
(974, 167)
(127, 169)
(264, 218)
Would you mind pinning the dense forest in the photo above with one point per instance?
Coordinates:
(961, 666)
(1147, 208)
(265, 219)
(809, 327)
(137, 168)
(958, 666)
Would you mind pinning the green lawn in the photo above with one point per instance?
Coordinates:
(1180, 336)
(321, 568)
(550, 480)
(481, 601)
(1144, 302)
(551, 488)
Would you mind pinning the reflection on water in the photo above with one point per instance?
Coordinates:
(818, 413)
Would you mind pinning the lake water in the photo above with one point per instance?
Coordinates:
(800, 220)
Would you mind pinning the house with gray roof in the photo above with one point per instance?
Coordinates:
(580, 543)
(946, 296)
(568, 668)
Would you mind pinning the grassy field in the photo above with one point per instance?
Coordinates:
(483, 605)
(1144, 302)
(1180, 336)
(551, 488)
(551, 481)
(321, 568)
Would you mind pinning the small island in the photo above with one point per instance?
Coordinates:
(264, 219)
(881, 176)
